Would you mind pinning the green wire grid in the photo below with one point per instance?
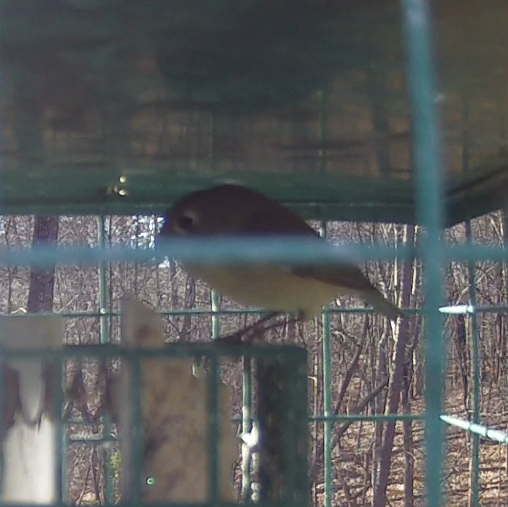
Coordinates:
(418, 39)
(288, 409)
(326, 418)
(430, 210)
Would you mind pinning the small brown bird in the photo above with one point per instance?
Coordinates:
(305, 289)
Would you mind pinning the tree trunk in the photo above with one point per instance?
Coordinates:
(42, 280)
(409, 450)
(401, 336)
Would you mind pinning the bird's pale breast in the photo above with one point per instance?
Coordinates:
(268, 287)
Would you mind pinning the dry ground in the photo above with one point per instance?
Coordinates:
(353, 468)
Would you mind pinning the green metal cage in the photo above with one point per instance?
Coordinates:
(375, 110)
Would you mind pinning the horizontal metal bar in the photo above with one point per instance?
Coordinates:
(189, 350)
(470, 309)
(495, 435)
(220, 313)
(238, 419)
(240, 251)
(152, 504)
(91, 441)
(363, 418)
(452, 310)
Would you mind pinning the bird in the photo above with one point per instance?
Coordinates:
(237, 211)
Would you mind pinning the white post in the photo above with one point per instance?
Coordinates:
(29, 473)
(29, 447)
(174, 420)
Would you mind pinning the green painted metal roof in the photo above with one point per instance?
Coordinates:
(121, 106)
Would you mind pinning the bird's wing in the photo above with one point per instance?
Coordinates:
(263, 223)
(346, 275)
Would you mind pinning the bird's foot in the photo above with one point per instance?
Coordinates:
(256, 331)
(236, 338)
(249, 333)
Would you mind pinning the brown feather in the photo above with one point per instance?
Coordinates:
(235, 210)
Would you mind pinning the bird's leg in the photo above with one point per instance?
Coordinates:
(247, 331)
(256, 330)
(258, 333)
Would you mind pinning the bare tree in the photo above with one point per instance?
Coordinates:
(42, 279)
(401, 337)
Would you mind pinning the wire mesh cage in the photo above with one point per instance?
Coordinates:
(120, 107)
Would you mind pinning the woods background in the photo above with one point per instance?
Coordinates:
(376, 368)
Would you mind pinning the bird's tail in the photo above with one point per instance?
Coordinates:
(382, 305)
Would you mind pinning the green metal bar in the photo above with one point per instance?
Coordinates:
(246, 421)
(470, 309)
(213, 404)
(2, 404)
(104, 339)
(103, 294)
(367, 417)
(90, 440)
(417, 28)
(325, 325)
(169, 350)
(242, 251)
(478, 429)
(359, 309)
(474, 486)
(357, 417)
(215, 304)
(315, 418)
(132, 503)
(327, 399)
(332, 419)
(213, 429)
(474, 492)
(451, 310)
(2, 391)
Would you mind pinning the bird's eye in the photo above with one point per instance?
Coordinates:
(186, 222)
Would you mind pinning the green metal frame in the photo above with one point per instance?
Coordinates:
(431, 212)
(314, 140)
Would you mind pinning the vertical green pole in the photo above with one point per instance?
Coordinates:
(215, 304)
(214, 297)
(474, 493)
(327, 399)
(213, 404)
(103, 286)
(2, 391)
(430, 213)
(104, 339)
(246, 424)
(213, 430)
(325, 323)
(2, 420)
(472, 335)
